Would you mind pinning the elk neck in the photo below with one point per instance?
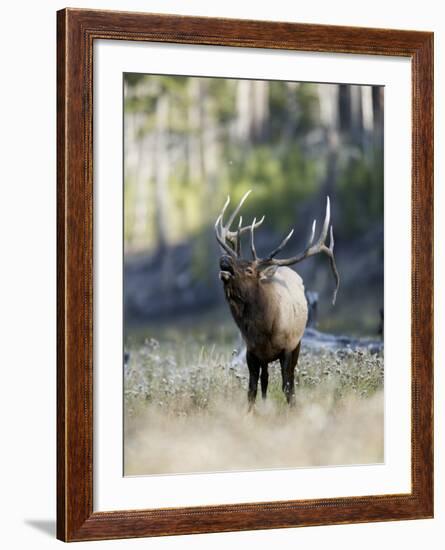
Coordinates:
(251, 311)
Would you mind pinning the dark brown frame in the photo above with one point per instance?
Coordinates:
(76, 32)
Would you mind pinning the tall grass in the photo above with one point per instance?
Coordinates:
(186, 410)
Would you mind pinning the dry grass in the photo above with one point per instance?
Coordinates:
(186, 411)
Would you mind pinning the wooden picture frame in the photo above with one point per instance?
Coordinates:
(76, 32)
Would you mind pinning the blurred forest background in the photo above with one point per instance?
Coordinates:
(189, 142)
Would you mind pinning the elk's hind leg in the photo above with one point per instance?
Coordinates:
(288, 361)
(254, 373)
(264, 379)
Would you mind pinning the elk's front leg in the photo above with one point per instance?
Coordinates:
(254, 373)
(264, 379)
(288, 361)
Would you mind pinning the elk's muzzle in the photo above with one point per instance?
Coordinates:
(226, 269)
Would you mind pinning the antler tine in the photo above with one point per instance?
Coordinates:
(312, 249)
(247, 227)
(219, 228)
(241, 230)
(327, 219)
(237, 209)
(221, 240)
(230, 238)
(311, 240)
(333, 266)
(218, 220)
(252, 241)
(281, 245)
(223, 211)
(221, 231)
(238, 237)
(331, 239)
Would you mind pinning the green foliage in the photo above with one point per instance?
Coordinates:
(307, 100)
(277, 163)
(128, 211)
(280, 179)
(294, 108)
(360, 193)
(222, 92)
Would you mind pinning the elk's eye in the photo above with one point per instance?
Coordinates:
(249, 271)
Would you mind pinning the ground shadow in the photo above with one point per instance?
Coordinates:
(47, 526)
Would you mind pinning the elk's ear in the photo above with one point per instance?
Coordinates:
(268, 272)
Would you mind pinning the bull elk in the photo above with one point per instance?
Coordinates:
(267, 298)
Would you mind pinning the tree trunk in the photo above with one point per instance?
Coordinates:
(378, 112)
(161, 170)
(329, 101)
(138, 170)
(356, 115)
(243, 101)
(194, 131)
(259, 109)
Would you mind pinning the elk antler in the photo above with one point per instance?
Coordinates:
(223, 233)
(252, 241)
(310, 250)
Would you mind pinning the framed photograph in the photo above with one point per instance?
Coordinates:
(245, 292)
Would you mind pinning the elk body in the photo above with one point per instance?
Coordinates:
(267, 299)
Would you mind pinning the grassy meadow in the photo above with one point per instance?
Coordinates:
(185, 404)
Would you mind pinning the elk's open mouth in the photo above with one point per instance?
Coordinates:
(226, 269)
(225, 275)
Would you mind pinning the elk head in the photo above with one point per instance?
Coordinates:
(241, 277)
